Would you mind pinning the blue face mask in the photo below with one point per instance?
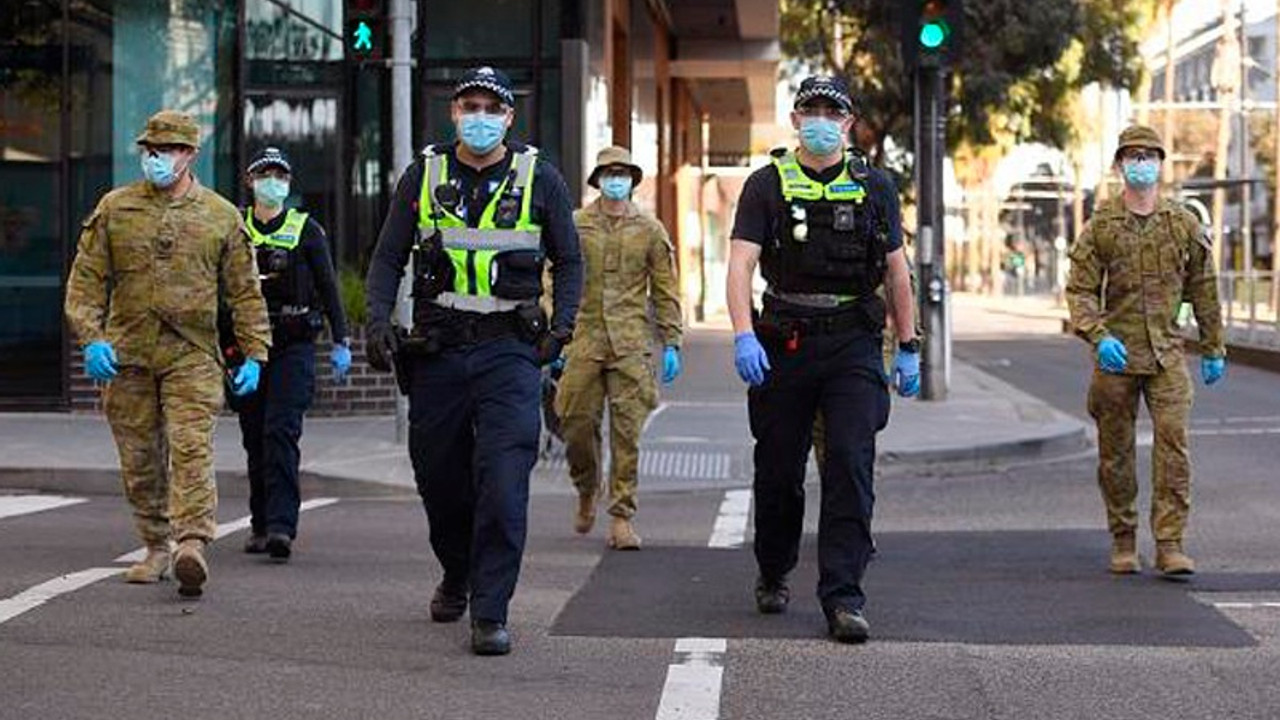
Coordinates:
(159, 169)
(270, 191)
(821, 136)
(481, 132)
(1141, 174)
(616, 187)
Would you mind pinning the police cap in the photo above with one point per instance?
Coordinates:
(487, 78)
(269, 157)
(830, 87)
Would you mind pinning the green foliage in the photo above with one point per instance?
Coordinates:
(1020, 63)
(351, 288)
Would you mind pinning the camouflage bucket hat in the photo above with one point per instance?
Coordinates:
(1139, 136)
(614, 155)
(170, 127)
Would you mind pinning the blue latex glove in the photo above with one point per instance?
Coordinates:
(100, 360)
(557, 365)
(1212, 369)
(670, 364)
(906, 373)
(749, 357)
(1112, 355)
(340, 358)
(245, 380)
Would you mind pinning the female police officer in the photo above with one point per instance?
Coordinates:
(297, 278)
(824, 228)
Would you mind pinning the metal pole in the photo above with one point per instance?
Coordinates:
(1275, 229)
(401, 156)
(1246, 194)
(1169, 66)
(930, 241)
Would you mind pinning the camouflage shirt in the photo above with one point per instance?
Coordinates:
(1130, 275)
(146, 261)
(629, 260)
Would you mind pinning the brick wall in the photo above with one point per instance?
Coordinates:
(365, 392)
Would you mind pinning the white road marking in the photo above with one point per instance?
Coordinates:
(649, 420)
(34, 597)
(692, 688)
(1247, 605)
(14, 505)
(225, 529)
(731, 524)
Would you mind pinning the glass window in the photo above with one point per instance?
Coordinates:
(490, 29)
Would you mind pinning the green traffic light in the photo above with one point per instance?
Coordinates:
(932, 35)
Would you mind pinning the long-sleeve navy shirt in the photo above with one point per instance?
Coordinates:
(549, 206)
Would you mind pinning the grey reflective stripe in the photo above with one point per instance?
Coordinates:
(524, 168)
(814, 300)
(435, 171)
(463, 238)
(475, 303)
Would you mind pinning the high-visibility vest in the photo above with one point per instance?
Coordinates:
(474, 252)
(285, 237)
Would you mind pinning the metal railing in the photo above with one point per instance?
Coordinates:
(1249, 308)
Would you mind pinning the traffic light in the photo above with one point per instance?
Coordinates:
(930, 32)
(366, 34)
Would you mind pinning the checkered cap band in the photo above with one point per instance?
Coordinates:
(487, 78)
(824, 88)
(268, 157)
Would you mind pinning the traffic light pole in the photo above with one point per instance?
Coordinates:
(931, 265)
(401, 155)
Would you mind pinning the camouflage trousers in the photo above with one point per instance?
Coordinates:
(1113, 403)
(163, 421)
(628, 384)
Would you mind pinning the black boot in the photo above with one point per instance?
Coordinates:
(449, 601)
(279, 547)
(489, 638)
(772, 596)
(847, 626)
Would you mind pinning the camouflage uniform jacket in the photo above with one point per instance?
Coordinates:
(146, 260)
(628, 260)
(1129, 278)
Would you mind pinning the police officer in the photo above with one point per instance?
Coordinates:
(629, 264)
(299, 283)
(142, 297)
(1139, 257)
(824, 228)
(478, 218)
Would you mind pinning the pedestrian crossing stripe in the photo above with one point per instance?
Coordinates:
(15, 505)
(662, 463)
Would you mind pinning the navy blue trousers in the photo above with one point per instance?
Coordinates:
(270, 427)
(473, 439)
(842, 375)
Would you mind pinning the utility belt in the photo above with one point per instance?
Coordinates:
(295, 323)
(446, 328)
(863, 316)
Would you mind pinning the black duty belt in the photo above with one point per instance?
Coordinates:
(444, 328)
(790, 330)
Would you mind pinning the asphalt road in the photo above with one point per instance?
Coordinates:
(989, 599)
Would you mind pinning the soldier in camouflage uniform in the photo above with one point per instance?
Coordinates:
(142, 297)
(1136, 261)
(629, 263)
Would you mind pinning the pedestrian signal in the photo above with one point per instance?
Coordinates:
(365, 29)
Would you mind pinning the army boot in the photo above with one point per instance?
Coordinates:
(622, 536)
(584, 518)
(190, 568)
(1124, 554)
(1171, 561)
(772, 595)
(153, 568)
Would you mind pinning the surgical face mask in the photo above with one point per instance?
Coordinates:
(616, 187)
(160, 169)
(1141, 174)
(270, 191)
(481, 132)
(820, 135)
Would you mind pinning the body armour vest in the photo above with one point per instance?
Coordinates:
(494, 267)
(829, 240)
(276, 258)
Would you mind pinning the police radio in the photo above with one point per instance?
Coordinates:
(432, 269)
(507, 213)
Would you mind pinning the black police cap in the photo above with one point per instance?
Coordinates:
(269, 157)
(487, 78)
(830, 87)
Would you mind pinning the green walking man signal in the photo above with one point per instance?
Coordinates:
(366, 29)
(362, 36)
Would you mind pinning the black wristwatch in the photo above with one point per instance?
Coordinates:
(911, 346)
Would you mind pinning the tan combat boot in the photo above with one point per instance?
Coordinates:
(622, 536)
(1171, 561)
(190, 568)
(153, 568)
(584, 518)
(1124, 554)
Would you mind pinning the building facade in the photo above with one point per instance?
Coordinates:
(680, 82)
